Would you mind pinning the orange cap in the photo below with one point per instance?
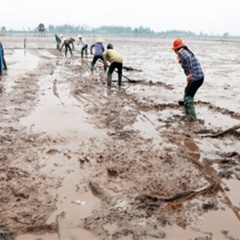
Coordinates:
(178, 43)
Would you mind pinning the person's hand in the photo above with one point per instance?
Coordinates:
(178, 59)
(189, 77)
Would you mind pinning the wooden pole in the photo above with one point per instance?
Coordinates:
(229, 130)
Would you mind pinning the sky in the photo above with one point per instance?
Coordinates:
(207, 16)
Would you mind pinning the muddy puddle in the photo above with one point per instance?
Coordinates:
(82, 161)
(22, 61)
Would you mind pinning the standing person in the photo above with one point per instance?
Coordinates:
(116, 61)
(67, 43)
(3, 59)
(194, 73)
(98, 53)
(84, 45)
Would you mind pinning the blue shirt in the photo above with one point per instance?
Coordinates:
(190, 64)
(99, 48)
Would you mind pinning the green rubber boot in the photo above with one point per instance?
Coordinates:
(190, 109)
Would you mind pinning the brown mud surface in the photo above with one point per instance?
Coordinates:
(82, 161)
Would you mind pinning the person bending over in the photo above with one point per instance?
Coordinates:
(194, 73)
(116, 62)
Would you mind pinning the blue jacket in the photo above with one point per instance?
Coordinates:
(99, 48)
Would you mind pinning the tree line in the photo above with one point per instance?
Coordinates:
(122, 30)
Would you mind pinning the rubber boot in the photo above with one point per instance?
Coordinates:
(119, 79)
(190, 109)
(109, 79)
(91, 68)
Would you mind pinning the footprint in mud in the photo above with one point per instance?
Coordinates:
(97, 191)
(52, 152)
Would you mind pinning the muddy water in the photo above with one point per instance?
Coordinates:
(110, 148)
(22, 60)
(220, 217)
(62, 115)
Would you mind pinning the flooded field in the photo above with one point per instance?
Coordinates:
(83, 161)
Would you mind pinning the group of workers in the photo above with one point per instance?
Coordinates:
(185, 57)
(98, 51)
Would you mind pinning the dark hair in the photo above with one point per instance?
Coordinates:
(109, 46)
(186, 48)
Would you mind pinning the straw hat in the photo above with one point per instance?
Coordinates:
(100, 40)
(79, 36)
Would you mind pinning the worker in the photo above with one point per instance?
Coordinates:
(116, 61)
(1, 60)
(98, 52)
(194, 73)
(67, 43)
(3, 64)
(84, 45)
(58, 41)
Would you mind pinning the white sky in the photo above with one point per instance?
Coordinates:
(207, 16)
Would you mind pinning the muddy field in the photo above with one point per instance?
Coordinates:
(80, 161)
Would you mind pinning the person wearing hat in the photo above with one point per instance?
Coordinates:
(194, 73)
(67, 43)
(84, 45)
(116, 61)
(98, 52)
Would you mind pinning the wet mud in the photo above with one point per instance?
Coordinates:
(83, 161)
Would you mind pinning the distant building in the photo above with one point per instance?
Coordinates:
(40, 30)
(3, 31)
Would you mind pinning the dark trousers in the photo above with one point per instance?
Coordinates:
(67, 47)
(95, 58)
(115, 65)
(110, 71)
(192, 87)
(84, 49)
